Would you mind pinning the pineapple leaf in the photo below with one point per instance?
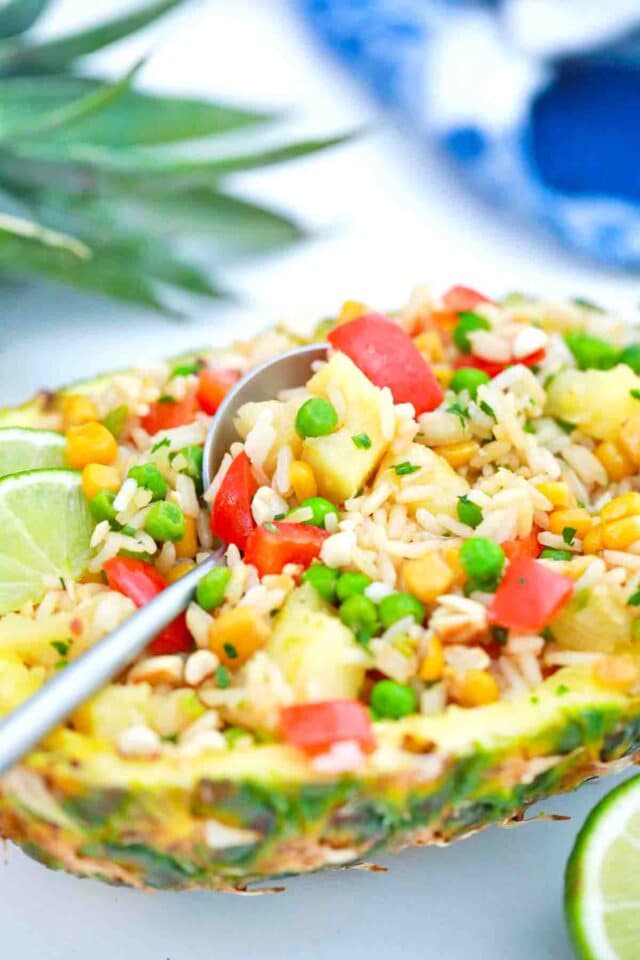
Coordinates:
(16, 16)
(136, 118)
(145, 169)
(20, 233)
(72, 113)
(48, 56)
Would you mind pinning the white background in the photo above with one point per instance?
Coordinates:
(386, 215)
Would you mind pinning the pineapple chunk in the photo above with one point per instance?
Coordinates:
(17, 682)
(341, 468)
(597, 401)
(317, 654)
(116, 708)
(441, 485)
(283, 418)
(597, 620)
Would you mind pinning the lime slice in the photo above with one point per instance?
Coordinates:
(602, 883)
(46, 527)
(24, 449)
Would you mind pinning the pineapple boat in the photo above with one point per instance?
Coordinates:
(427, 617)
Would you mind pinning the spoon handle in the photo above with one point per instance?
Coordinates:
(31, 721)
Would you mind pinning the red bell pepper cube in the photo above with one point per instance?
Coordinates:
(231, 517)
(529, 596)
(141, 582)
(523, 546)
(463, 299)
(387, 355)
(213, 386)
(270, 547)
(165, 415)
(492, 368)
(315, 727)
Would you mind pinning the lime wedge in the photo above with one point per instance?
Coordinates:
(602, 883)
(46, 527)
(24, 449)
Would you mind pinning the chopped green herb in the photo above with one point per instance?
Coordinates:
(279, 516)
(186, 369)
(499, 635)
(469, 512)
(528, 427)
(405, 468)
(534, 700)
(165, 442)
(569, 535)
(487, 408)
(61, 664)
(170, 737)
(362, 440)
(565, 425)
(587, 304)
(166, 398)
(62, 646)
(223, 677)
(230, 651)
(271, 527)
(461, 412)
(635, 629)
(635, 393)
(561, 689)
(547, 635)
(634, 599)
(551, 554)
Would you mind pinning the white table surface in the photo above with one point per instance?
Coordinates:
(387, 215)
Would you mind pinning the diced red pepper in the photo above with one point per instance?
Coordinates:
(523, 546)
(165, 415)
(492, 368)
(529, 596)
(231, 517)
(272, 546)
(213, 386)
(141, 582)
(387, 355)
(462, 299)
(315, 727)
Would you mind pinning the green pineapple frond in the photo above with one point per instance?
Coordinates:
(100, 185)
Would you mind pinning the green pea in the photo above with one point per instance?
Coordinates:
(323, 579)
(320, 508)
(316, 418)
(360, 615)
(165, 521)
(101, 506)
(115, 420)
(148, 476)
(193, 456)
(591, 353)
(482, 560)
(469, 379)
(467, 323)
(551, 554)
(393, 700)
(469, 512)
(351, 583)
(631, 356)
(397, 606)
(210, 590)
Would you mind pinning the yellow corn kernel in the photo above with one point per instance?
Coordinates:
(617, 671)
(443, 374)
(90, 443)
(452, 557)
(575, 517)
(558, 493)
(351, 310)
(432, 666)
(459, 454)
(620, 534)
(236, 634)
(77, 409)
(629, 438)
(430, 343)
(626, 505)
(97, 477)
(427, 577)
(302, 480)
(187, 545)
(179, 570)
(615, 460)
(475, 688)
(592, 540)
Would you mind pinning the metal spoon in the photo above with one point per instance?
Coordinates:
(22, 729)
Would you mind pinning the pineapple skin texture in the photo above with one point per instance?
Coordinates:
(76, 805)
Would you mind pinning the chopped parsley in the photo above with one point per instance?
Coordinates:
(461, 412)
(565, 425)
(561, 689)
(223, 678)
(487, 408)
(405, 468)
(230, 651)
(528, 427)
(362, 441)
(569, 535)
(634, 599)
(469, 512)
(61, 646)
(635, 393)
(271, 527)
